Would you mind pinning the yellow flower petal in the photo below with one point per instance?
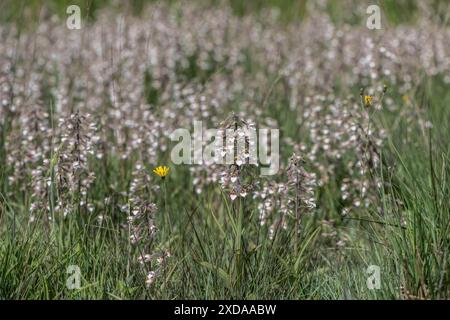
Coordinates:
(161, 171)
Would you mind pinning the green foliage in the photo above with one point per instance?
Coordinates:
(218, 248)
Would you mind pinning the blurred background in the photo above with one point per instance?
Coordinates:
(341, 11)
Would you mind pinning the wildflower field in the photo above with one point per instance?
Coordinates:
(99, 201)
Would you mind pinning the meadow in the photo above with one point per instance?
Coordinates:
(360, 205)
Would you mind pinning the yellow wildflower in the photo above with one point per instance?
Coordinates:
(368, 100)
(161, 171)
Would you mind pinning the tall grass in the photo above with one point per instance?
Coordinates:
(218, 247)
